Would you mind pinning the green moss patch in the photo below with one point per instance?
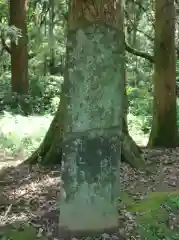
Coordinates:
(157, 216)
(24, 233)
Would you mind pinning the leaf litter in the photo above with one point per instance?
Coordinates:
(29, 196)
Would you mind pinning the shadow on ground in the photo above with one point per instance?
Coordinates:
(29, 197)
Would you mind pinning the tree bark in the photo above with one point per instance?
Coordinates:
(164, 129)
(50, 150)
(131, 152)
(19, 52)
(51, 36)
(94, 93)
(88, 125)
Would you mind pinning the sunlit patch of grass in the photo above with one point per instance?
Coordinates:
(19, 133)
(134, 125)
(22, 133)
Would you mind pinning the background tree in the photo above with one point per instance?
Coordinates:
(18, 50)
(164, 129)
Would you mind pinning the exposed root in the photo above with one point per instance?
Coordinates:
(131, 153)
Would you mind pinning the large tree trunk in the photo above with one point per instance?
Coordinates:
(50, 150)
(86, 132)
(93, 95)
(19, 52)
(164, 130)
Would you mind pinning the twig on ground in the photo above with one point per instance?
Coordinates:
(8, 210)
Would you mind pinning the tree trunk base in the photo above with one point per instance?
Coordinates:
(51, 154)
(46, 155)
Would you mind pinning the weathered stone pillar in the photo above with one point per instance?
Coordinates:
(94, 90)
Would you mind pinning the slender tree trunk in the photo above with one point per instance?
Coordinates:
(51, 36)
(19, 52)
(45, 69)
(164, 129)
(133, 18)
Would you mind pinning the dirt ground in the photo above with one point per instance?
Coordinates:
(30, 196)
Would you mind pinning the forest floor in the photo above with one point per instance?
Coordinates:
(29, 197)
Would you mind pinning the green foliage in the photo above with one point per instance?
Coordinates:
(140, 105)
(43, 46)
(45, 94)
(177, 72)
(10, 32)
(140, 100)
(43, 98)
(178, 113)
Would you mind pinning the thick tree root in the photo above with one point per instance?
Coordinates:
(131, 153)
(46, 155)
